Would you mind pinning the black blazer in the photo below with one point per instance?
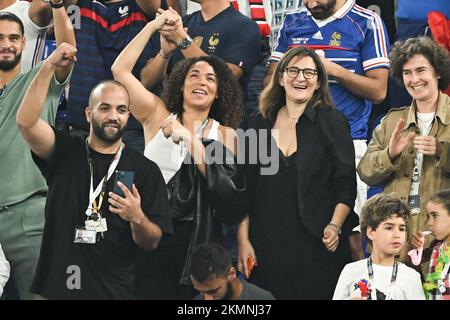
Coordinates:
(326, 173)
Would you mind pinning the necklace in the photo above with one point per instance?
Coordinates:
(425, 122)
(435, 281)
(198, 133)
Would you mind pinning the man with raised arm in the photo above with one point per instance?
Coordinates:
(23, 190)
(92, 234)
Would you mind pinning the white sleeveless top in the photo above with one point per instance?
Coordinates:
(169, 155)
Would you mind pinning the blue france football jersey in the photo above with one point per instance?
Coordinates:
(106, 28)
(354, 38)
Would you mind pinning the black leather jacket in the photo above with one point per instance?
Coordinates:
(218, 197)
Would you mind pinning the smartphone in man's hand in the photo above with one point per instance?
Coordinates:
(127, 178)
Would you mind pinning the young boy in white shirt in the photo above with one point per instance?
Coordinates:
(383, 223)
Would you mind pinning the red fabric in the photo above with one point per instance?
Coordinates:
(137, 16)
(258, 14)
(93, 16)
(235, 4)
(440, 29)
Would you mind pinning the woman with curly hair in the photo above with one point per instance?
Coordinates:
(189, 134)
(410, 149)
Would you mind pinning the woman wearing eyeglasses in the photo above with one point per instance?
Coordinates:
(301, 216)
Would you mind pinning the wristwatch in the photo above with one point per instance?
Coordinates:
(55, 5)
(185, 43)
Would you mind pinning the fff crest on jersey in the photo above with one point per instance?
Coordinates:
(335, 39)
(213, 42)
(123, 11)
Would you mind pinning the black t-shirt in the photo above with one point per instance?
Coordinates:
(230, 35)
(104, 270)
(249, 292)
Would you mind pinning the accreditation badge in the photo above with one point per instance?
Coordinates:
(101, 227)
(98, 225)
(91, 224)
(84, 236)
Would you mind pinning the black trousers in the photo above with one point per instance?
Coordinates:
(158, 272)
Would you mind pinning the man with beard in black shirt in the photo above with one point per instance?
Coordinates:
(91, 235)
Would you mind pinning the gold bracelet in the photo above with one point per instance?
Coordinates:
(163, 56)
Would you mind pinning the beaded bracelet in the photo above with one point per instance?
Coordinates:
(336, 227)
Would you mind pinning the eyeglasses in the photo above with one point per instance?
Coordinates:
(292, 72)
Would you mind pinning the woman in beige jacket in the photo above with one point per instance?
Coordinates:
(410, 149)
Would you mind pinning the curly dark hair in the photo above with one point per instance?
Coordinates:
(227, 108)
(378, 209)
(438, 57)
(442, 197)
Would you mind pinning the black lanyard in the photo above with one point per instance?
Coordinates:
(371, 276)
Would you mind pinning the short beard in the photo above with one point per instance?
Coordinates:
(327, 10)
(99, 131)
(6, 65)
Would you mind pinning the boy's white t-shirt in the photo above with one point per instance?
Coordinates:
(408, 285)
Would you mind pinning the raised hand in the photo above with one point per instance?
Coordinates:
(63, 56)
(166, 20)
(176, 32)
(399, 141)
(174, 18)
